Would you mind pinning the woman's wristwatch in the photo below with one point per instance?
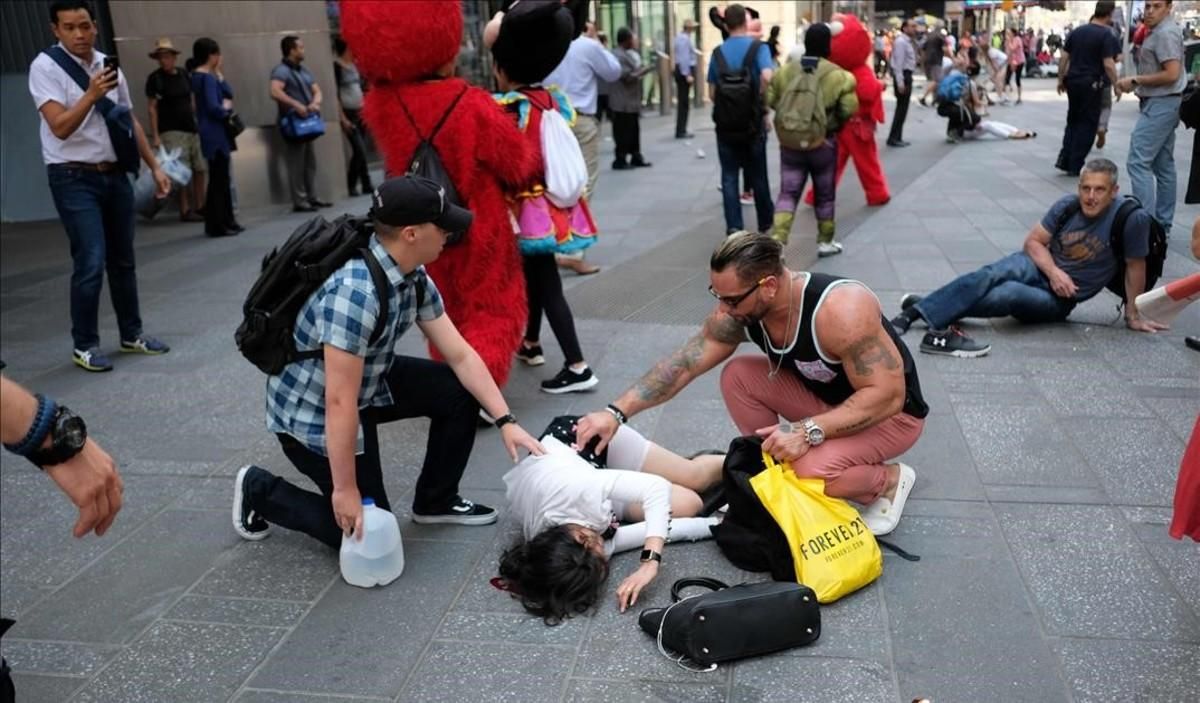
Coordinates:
(651, 555)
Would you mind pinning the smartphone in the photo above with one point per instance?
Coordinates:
(111, 63)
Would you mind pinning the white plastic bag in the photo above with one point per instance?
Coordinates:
(144, 192)
(179, 172)
(566, 171)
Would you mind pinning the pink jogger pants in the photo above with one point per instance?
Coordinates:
(755, 401)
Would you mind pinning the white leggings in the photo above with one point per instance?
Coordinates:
(996, 129)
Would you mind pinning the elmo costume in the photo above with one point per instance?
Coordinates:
(850, 49)
(407, 51)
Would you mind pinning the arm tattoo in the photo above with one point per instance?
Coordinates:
(725, 329)
(869, 351)
(659, 382)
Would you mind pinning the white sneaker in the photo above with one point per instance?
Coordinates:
(883, 515)
(828, 249)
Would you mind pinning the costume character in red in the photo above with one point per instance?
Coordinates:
(407, 51)
(851, 48)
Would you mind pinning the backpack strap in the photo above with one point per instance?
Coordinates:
(719, 57)
(1065, 216)
(446, 115)
(1116, 240)
(751, 55)
(379, 278)
(308, 96)
(77, 74)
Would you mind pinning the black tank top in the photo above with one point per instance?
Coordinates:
(827, 379)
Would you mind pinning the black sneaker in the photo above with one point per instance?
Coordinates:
(461, 512)
(567, 381)
(908, 300)
(952, 342)
(903, 321)
(247, 523)
(532, 356)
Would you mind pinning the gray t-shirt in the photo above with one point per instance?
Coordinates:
(1081, 247)
(297, 83)
(1165, 43)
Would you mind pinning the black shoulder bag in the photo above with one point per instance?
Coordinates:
(729, 623)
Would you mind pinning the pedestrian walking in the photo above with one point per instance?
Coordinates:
(625, 101)
(579, 75)
(685, 77)
(296, 92)
(738, 75)
(1086, 58)
(350, 103)
(173, 123)
(74, 88)
(1159, 84)
(933, 50)
(904, 63)
(214, 105)
(807, 132)
(1015, 48)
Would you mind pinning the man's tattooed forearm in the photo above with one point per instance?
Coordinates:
(869, 351)
(658, 383)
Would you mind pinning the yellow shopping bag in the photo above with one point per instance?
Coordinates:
(834, 552)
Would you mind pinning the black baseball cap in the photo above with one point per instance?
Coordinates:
(413, 200)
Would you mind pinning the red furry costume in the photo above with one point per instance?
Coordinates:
(399, 47)
(850, 49)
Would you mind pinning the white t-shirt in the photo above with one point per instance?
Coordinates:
(997, 57)
(560, 488)
(89, 143)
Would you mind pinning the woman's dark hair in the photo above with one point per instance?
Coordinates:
(203, 48)
(339, 46)
(553, 575)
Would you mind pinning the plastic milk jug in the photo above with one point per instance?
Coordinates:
(378, 558)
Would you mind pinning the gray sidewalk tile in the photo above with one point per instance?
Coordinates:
(58, 658)
(258, 696)
(377, 634)
(182, 662)
(45, 689)
(942, 460)
(938, 634)
(456, 671)
(1136, 460)
(1178, 559)
(510, 628)
(1091, 577)
(287, 565)
(598, 691)
(852, 628)
(1100, 671)
(785, 679)
(238, 611)
(115, 598)
(1022, 445)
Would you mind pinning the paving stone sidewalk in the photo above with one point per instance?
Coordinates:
(1045, 476)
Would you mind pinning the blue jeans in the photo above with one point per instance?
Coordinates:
(753, 159)
(96, 210)
(1151, 161)
(1011, 286)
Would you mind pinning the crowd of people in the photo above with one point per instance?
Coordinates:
(834, 391)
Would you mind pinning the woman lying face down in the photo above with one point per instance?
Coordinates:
(571, 513)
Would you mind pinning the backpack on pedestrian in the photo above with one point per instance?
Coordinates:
(952, 87)
(291, 274)
(1156, 255)
(737, 101)
(427, 163)
(801, 118)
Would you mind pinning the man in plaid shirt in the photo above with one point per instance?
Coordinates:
(325, 411)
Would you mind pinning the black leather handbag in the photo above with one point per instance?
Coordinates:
(732, 622)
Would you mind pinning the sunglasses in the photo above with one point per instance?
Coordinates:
(735, 300)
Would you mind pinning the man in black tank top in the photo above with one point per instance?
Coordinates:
(836, 393)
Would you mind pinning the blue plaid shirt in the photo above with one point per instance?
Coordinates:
(342, 313)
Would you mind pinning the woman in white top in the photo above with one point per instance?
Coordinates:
(571, 505)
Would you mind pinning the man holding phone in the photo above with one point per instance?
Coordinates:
(92, 194)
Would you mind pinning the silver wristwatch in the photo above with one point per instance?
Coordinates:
(813, 433)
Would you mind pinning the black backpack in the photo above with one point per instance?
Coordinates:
(737, 106)
(1155, 257)
(428, 164)
(748, 536)
(290, 274)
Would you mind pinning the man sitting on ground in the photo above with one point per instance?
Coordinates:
(832, 367)
(1065, 261)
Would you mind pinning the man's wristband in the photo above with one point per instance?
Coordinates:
(36, 435)
(616, 412)
(505, 419)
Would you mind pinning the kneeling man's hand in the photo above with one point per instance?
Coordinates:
(514, 436)
(784, 446)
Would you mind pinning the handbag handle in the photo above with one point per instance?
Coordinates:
(709, 583)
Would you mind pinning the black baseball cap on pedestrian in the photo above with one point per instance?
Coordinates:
(414, 200)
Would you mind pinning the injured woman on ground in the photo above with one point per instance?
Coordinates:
(577, 509)
(961, 105)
